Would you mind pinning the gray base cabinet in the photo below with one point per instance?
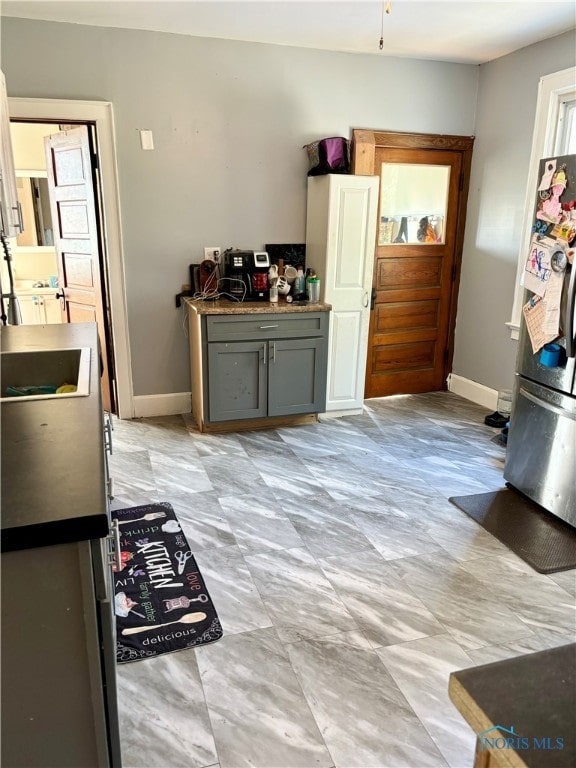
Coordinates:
(58, 635)
(265, 366)
(57, 708)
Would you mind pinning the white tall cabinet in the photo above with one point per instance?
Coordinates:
(10, 213)
(340, 241)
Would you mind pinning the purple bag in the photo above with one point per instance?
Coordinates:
(328, 156)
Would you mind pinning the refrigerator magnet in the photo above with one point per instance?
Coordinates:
(559, 260)
(546, 180)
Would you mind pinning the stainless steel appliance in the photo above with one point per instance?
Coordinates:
(541, 448)
(246, 274)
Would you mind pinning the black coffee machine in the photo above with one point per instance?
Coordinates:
(246, 274)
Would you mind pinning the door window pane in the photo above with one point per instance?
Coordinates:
(566, 128)
(413, 203)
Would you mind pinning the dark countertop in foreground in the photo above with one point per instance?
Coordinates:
(533, 695)
(228, 307)
(53, 452)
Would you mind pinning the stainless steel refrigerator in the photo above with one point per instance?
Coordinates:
(541, 448)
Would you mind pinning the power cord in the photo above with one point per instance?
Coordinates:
(13, 315)
(210, 294)
(213, 293)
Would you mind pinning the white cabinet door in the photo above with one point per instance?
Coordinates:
(30, 310)
(52, 310)
(340, 241)
(10, 214)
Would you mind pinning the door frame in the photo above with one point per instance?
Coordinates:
(364, 145)
(101, 114)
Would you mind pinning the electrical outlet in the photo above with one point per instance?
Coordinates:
(212, 253)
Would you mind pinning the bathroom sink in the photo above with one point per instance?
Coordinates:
(36, 372)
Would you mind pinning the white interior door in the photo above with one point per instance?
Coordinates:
(342, 212)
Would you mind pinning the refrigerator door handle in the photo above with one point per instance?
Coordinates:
(569, 318)
(546, 405)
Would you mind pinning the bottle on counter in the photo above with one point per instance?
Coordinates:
(310, 274)
(274, 291)
(314, 290)
(299, 282)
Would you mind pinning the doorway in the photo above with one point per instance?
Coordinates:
(424, 183)
(98, 117)
(57, 167)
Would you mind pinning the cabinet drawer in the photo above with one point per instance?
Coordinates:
(274, 326)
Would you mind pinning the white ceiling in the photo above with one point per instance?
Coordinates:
(453, 30)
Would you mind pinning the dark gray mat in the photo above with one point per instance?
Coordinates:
(543, 541)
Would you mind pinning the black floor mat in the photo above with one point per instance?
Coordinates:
(161, 601)
(542, 540)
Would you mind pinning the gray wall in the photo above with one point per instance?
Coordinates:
(507, 97)
(229, 121)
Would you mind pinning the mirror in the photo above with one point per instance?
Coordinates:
(37, 219)
(413, 202)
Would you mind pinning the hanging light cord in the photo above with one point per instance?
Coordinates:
(386, 6)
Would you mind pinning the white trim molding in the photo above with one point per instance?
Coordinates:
(338, 414)
(162, 405)
(471, 390)
(552, 91)
(100, 113)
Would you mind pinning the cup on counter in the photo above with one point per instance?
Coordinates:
(283, 286)
(290, 273)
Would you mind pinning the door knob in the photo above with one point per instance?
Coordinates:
(372, 299)
(60, 295)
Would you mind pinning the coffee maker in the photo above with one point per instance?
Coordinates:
(246, 274)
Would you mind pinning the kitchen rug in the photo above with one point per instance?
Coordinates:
(543, 541)
(161, 602)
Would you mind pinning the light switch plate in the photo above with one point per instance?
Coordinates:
(146, 140)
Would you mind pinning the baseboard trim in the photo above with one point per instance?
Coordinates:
(162, 405)
(339, 414)
(471, 390)
(181, 402)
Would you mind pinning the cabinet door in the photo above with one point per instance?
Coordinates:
(49, 618)
(10, 213)
(52, 311)
(237, 380)
(296, 376)
(30, 310)
(340, 238)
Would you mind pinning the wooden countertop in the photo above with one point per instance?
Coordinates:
(530, 699)
(228, 307)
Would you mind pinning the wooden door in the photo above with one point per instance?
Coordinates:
(77, 238)
(422, 204)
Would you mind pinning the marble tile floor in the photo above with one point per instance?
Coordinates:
(347, 585)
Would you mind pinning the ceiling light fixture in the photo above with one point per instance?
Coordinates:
(386, 7)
